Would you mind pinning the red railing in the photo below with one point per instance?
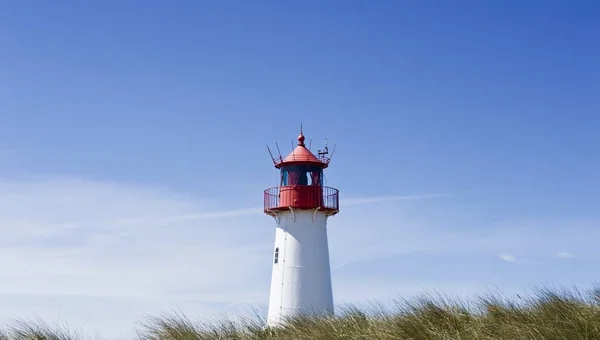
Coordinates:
(302, 197)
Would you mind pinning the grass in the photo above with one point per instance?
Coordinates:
(547, 314)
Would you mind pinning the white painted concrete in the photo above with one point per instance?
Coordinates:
(301, 280)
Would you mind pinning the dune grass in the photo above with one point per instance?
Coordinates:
(547, 314)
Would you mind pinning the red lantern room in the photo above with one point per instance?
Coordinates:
(301, 182)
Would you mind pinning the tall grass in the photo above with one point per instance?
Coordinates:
(547, 314)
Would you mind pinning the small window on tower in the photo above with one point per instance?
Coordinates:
(276, 255)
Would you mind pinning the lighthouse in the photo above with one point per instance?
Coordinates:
(300, 205)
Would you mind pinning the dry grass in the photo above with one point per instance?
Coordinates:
(547, 314)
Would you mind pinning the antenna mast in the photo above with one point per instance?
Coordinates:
(278, 151)
(325, 150)
(270, 153)
(332, 152)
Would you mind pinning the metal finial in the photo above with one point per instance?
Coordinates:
(301, 139)
(301, 136)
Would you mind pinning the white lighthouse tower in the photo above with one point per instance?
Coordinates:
(301, 277)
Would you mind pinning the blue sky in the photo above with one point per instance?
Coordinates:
(132, 148)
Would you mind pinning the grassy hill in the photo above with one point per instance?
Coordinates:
(547, 314)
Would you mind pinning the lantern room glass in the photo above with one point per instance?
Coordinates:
(292, 175)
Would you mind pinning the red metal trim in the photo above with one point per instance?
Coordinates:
(301, 197)
(323, 164)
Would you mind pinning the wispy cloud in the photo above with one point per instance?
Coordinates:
(532, 259)
(169, 220)
(564, 255)
(93, 232)
(509, 258)
(340, 266)
(96, 239)
(381, 199)
(91, 241)
(87, 243)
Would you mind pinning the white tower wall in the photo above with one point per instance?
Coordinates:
(301, 278)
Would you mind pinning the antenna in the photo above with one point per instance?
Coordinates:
(332, 152)
(270, 153)
(325, 150)
(278, 151)
(293, 150)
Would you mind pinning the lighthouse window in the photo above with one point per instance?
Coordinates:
(276, 255)
(301, 175)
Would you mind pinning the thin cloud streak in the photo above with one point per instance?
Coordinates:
(382, 199)
(520, 260)
(192, 217)
(259, 210)
(564, 255)
(509, 258)
(340, 266)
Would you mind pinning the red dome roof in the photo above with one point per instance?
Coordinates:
(301, 155)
